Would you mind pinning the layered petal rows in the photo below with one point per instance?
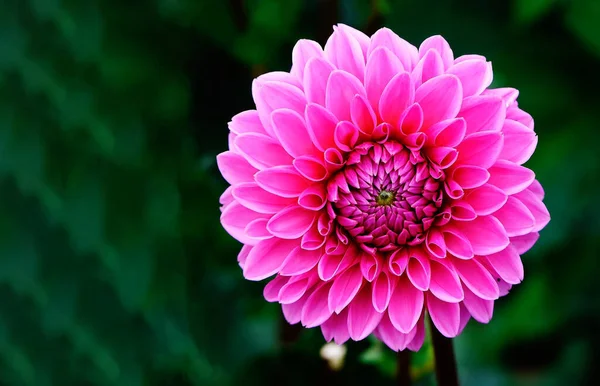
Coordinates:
(377, 183)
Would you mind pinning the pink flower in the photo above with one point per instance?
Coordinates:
(378, 182)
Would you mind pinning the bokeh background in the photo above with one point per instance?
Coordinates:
(114, 269)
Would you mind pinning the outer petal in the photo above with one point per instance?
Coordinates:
(344, 288)
(290, 129)
(445, 316)
(480, 149)
(291, 223)
(261, 151)
(341, 89)
(483, 113)
(507, 263)
(480, 309)
(273, 95)
(283, 181)
(344, 51)
(440, 98)
(235, 218)
(441, 46)
(405, 306)
(510, 177)
(485, 234)
(396, 97)
(475, 75)
(406, 52)
(362, 316)
(259, 200)
(303, 51)
(267, 257)
(382, 66)
(234, 168)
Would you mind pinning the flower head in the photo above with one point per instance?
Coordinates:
(378, 182)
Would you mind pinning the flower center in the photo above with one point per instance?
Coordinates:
(386, 196)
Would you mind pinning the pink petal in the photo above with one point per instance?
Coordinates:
(344, 288)
(370, 266)
(462, 211)
(463, 58)
(294, 289)
(429, 66)
(440, 98)
(480, 309)
(457, 244)
(316, 73)
(435, 243)
(259, 200)
(226, 198)
(411, 120)
(311, 168)
(234, 168)
(257, 229)
(345, 136)
(477, 278)
(519, 142)
(362, 317)
(291, 223)
(363, 115)
(382, 292)
(393, 338)
(480, 149)
(524, 243)
(507, 264)
(273, 95)
(261, 151)
(334, 159)
(443, 157)
(363, 40)
(243, 255)
(465, 316)
(536, 188)
(292, 312)
(344, 51)
(300, 261)
(509, 95)
(396, 97)
(405, 306)
(341, 89)
(267, 257)
(330, 265)
(475, 76)
(303, 51)
(441, 46)
(470, 177)
(510, 177)
(246, 122)
(315, 311)
(445, 316)
(336, 328)
(537, 208)
(382, 66)
(312, 239)
(406, 52)
(313, 198)
(418, 270)
(416, 343)
(445, 283)
(290, 129)
(398, 261)
(483, 113)
(449, 132)
(516, 114)
(321, 126)
(485, 233)
(283, 181)
(235, 218)
(271, 290)
(515, 217)
(486, 199)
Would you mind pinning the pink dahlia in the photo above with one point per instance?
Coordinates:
(378, 182)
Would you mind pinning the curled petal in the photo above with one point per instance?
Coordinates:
(313, 198)
(382, 292)
(291, 223)
(345, 136)
(419, 270)
(470, 177)
(311, 168)
(449, 132)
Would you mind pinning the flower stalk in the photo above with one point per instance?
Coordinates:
(446, 373)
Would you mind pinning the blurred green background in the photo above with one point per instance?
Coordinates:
(114, 269)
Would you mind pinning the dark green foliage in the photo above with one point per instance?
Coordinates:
(114, 269)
